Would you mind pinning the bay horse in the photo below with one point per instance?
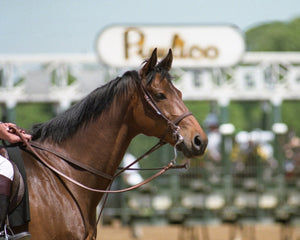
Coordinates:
(96, 132)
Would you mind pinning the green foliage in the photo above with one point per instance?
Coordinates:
(274, 36)
(245, 116)
(290, 110)
(31, 113)
(199, 109)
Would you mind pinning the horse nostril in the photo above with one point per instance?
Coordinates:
(197, 142)
(200, 144)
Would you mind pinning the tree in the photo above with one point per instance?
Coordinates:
(278, 36)
(274, 36)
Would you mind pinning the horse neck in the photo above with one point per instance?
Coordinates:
(103, 142)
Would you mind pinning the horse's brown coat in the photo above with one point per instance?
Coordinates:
(62, 210)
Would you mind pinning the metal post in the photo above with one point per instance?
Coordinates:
(224, 113)
(277, 112)
(266, 119)
(10, 111)
(226, 129)
(280, 129)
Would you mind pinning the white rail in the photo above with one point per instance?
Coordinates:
(272, 76)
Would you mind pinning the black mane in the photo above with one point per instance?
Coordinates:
(67, 123)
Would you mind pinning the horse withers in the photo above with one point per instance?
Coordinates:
(95, 132)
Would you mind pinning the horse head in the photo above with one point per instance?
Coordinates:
(161, 111)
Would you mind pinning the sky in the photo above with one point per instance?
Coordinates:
(72, 26)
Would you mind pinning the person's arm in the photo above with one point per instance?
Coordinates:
(7, 135)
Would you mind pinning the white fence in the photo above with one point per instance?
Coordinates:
(64, 79)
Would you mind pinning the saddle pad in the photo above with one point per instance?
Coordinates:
(17, 189)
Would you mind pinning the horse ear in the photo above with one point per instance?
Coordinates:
(166, 63)
(150, 64)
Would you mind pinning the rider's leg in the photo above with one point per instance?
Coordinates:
(6, 177)
(21, 215)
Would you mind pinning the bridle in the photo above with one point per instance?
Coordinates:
(173, 125)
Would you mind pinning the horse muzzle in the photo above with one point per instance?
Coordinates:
(194, 147)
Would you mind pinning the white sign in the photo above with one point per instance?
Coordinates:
(193, 46)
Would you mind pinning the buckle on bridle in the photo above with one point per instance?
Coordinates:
(179, 140)
(176, 134)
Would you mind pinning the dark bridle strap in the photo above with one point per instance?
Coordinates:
(178, 119)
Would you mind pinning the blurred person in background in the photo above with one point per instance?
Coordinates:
(131, 177)
(213, 152)
(214, 138)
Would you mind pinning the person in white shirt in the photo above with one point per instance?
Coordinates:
(131, 177)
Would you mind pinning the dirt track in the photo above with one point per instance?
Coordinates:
(220, 232)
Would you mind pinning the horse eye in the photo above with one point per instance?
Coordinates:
(160, 96)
